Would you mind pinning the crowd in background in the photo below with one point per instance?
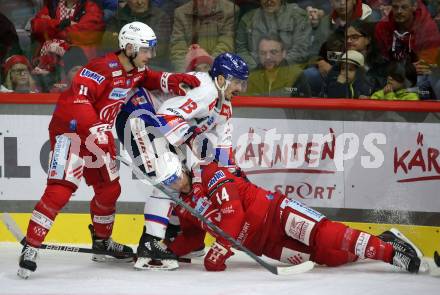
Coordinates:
(377, 49)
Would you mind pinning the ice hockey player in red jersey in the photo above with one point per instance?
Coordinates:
(270, 224)
(82, 143)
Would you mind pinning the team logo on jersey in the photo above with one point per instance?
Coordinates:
(86, 73)
(113, 65)
(226, 111)
(217, 176)
(118, 93)
(108, 113)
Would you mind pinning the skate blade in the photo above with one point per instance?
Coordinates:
(24, 273)
(107, 258)
(143, 263)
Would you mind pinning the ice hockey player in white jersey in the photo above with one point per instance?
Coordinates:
(200, 121)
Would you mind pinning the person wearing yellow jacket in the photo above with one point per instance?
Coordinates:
(402, 77)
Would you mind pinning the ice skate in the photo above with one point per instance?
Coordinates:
(171, 232)
(116, 252)
(27, 262)
(153, 254)
(406, 254)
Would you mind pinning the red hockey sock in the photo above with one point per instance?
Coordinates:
(337, 236)
(55, 197)
(103, 207)
(366, 246)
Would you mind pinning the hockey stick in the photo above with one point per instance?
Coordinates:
(277, 270)
(13, 228)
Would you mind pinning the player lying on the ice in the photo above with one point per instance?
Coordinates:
(269, 223)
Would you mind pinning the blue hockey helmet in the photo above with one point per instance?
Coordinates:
(230, 66)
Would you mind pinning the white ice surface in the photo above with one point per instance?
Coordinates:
(73, 273)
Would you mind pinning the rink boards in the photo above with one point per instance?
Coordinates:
(372, 173)
(72, 229)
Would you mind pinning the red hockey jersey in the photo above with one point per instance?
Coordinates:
(238, 207)
(97, 92)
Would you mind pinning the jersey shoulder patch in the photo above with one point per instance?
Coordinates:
(92, 75)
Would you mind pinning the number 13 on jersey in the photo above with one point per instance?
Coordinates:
(188, 106)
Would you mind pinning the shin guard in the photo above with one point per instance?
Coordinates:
(103, 207)
(55, 197)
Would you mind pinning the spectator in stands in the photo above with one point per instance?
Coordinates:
(319, 33)
(409, 29)
(208, 23)
(360, 37)
(9, 44)
(48, 63)
(385, 9)
(73, 60)
(77, 22)
(109, 8)
(246, 5)
(342, 12)
(17, 71)
(273, 75)
(197, 59)
(402, 77)
(347, 78)
(169, 6)
(143, 11)
(287, 20)
(350, 10)
(331, 31)
(317, 72)
(324, 5)
(3, 89)
(380, 8)
(122, 3)
(410, 32)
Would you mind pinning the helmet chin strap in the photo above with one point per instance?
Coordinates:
(222, 89)
(131, 58)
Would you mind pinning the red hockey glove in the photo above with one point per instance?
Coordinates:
(174, 83)
(103, 139)
(216, 257)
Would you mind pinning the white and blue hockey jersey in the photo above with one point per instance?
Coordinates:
(177, 117)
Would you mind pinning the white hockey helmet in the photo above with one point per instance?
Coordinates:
(169, 168)
(137, 34)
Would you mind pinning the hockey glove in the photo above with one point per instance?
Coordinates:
(240, 173)
(216, 257)
(200, 144)
(175, 83)
(103, 139)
